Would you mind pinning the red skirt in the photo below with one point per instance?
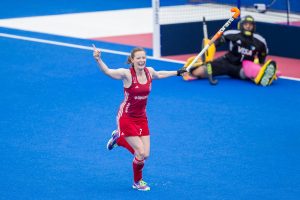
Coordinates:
(133, 126)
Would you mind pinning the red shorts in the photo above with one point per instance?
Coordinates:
(133, 126)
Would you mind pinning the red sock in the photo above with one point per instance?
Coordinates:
(138, 166)
(122, 142)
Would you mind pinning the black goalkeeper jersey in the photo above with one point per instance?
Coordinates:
(243, 47)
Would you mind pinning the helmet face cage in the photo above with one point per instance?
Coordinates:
(247, 19)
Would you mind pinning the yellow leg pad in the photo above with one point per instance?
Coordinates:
(210, 53)
(190, 59)
(266, 74)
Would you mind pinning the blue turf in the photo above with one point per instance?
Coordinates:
(232, 141)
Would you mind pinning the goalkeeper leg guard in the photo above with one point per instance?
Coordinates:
(190, 59)
(210, 53)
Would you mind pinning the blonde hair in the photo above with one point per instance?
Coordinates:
(132, 54)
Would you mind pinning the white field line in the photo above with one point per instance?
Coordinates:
(76, 46)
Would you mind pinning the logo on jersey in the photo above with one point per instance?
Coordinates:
(140, 97)
(245, 51)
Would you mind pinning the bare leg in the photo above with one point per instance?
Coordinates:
(137, 144)
(146, 142)
(199, 72)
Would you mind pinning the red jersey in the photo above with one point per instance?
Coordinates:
(136, 96)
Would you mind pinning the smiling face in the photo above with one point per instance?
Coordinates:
(139, 60)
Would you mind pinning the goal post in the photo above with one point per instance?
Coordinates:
(175, 28)
(156, 29)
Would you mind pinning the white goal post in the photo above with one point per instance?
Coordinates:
(156, 29)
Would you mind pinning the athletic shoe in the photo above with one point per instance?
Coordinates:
(112, 142)
(141, 185)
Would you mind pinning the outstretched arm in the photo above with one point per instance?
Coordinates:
(113, 73)
(165, 74)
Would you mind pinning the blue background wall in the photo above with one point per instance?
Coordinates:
(282, 40)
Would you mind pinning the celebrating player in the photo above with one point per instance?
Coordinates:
(132, 124)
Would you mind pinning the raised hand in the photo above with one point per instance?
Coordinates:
(96, 53)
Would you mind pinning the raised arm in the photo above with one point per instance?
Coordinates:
(119, 74)
(165, 74)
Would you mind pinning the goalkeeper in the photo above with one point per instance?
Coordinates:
(244, 60)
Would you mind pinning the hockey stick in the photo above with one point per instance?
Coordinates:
(208, 65)
(216, 36)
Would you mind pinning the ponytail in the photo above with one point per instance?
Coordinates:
(129, 60)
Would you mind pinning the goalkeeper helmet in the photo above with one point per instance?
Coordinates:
(243, 21)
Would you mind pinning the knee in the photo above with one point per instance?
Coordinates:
(146, 155)
(140, 153)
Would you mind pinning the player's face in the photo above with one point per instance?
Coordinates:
(248, 26)
(139, 59)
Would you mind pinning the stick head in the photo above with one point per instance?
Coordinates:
(212, 81)
(236, 12)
